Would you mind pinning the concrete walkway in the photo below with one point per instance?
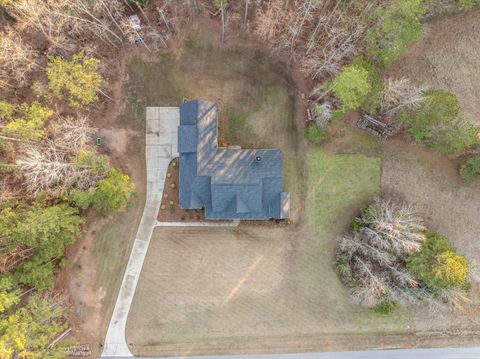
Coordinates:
(161, 148)
(234, 223)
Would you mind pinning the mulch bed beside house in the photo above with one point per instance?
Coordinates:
(170, 210)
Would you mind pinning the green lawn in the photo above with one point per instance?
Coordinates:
(338, 184)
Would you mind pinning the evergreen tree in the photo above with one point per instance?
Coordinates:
(438, 264)
(26, 121)
(111, 194)
(44, 230)
(27, 331)
(400, 27)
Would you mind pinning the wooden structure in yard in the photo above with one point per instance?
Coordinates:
(379, 129)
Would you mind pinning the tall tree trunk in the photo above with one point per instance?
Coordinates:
(223, 24)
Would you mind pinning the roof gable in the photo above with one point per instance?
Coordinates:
(227, 182)
(187, 138)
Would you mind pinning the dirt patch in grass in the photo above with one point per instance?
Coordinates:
(448, 58)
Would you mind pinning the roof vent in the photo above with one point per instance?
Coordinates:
(258, 159)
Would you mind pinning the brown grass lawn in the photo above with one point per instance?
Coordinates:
(261, 289)
(255, 289)
(449, 206)
(448, 59)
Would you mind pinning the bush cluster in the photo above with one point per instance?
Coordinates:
(470, 169)
(437, 264)
(389, 257)
(439, 124)
(315, 133)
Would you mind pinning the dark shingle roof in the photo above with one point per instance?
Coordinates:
(228, 183)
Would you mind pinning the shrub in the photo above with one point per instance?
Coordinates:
(470, 169)
(110, 195)
(352, 86)
(315, 133)
(385, 308)
(465, 5)
(399, 29)
(437, 123)
(438, 264)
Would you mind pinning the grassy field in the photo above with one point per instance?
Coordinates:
(259, 289)
(254, 288)
(338, 184)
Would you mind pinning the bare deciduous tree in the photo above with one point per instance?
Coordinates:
(399, 95)
(337, 36)
(51, 170)
(374, 255)
(322, 114)
(270, 21)
(52, 166)
(17, 59)
(60, 20)
(72, 133)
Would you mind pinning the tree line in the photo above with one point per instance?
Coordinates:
(51, 172)
(430, 117)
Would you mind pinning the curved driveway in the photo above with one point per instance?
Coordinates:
(161, 148)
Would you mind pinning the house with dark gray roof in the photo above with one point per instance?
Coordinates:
(229, 183)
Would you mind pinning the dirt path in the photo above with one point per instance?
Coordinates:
(448, 58)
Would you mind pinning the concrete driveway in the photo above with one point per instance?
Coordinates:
(161, 148)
